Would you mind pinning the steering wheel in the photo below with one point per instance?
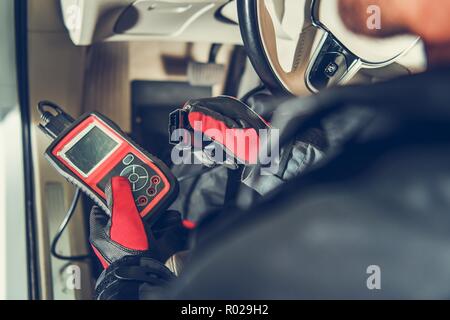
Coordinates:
(300, 47)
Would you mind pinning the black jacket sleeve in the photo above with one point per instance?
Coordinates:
(133, 278)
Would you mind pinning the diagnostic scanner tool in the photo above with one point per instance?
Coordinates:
(89, 151)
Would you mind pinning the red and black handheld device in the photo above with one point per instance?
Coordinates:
(90, 151)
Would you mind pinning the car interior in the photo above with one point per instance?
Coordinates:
(138, 60)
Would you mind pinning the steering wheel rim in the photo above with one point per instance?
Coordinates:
(257, 26)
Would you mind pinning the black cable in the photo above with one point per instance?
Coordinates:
(63, 227)
(249, 94)
(42, 106)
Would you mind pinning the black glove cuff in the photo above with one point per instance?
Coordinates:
(123, 278)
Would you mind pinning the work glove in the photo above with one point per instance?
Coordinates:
(224, 124)
(124, 233)
(121, 234)
(122, 245)
(231, 124)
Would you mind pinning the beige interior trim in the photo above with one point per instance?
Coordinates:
(106, 82)
(98, 18)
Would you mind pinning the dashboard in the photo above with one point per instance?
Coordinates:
(90, 21)
(214, 21)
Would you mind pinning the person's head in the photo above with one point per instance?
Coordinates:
(429, 19)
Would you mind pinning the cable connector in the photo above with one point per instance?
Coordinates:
(178, 120)
(53, 119)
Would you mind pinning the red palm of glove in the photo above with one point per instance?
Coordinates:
(122, 234)
(231, 123)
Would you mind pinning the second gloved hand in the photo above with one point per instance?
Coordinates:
(123, 234)
(231, 125)
(121, 244)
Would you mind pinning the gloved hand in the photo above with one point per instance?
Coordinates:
(229, 123)
(122, 234)
(238, 125)
(121, 243)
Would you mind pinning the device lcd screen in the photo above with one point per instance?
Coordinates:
(90, 150)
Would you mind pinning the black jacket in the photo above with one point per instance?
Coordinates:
(380, 202)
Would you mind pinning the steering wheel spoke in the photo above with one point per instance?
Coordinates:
(295, 54)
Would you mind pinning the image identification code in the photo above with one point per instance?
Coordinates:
(226, 310)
